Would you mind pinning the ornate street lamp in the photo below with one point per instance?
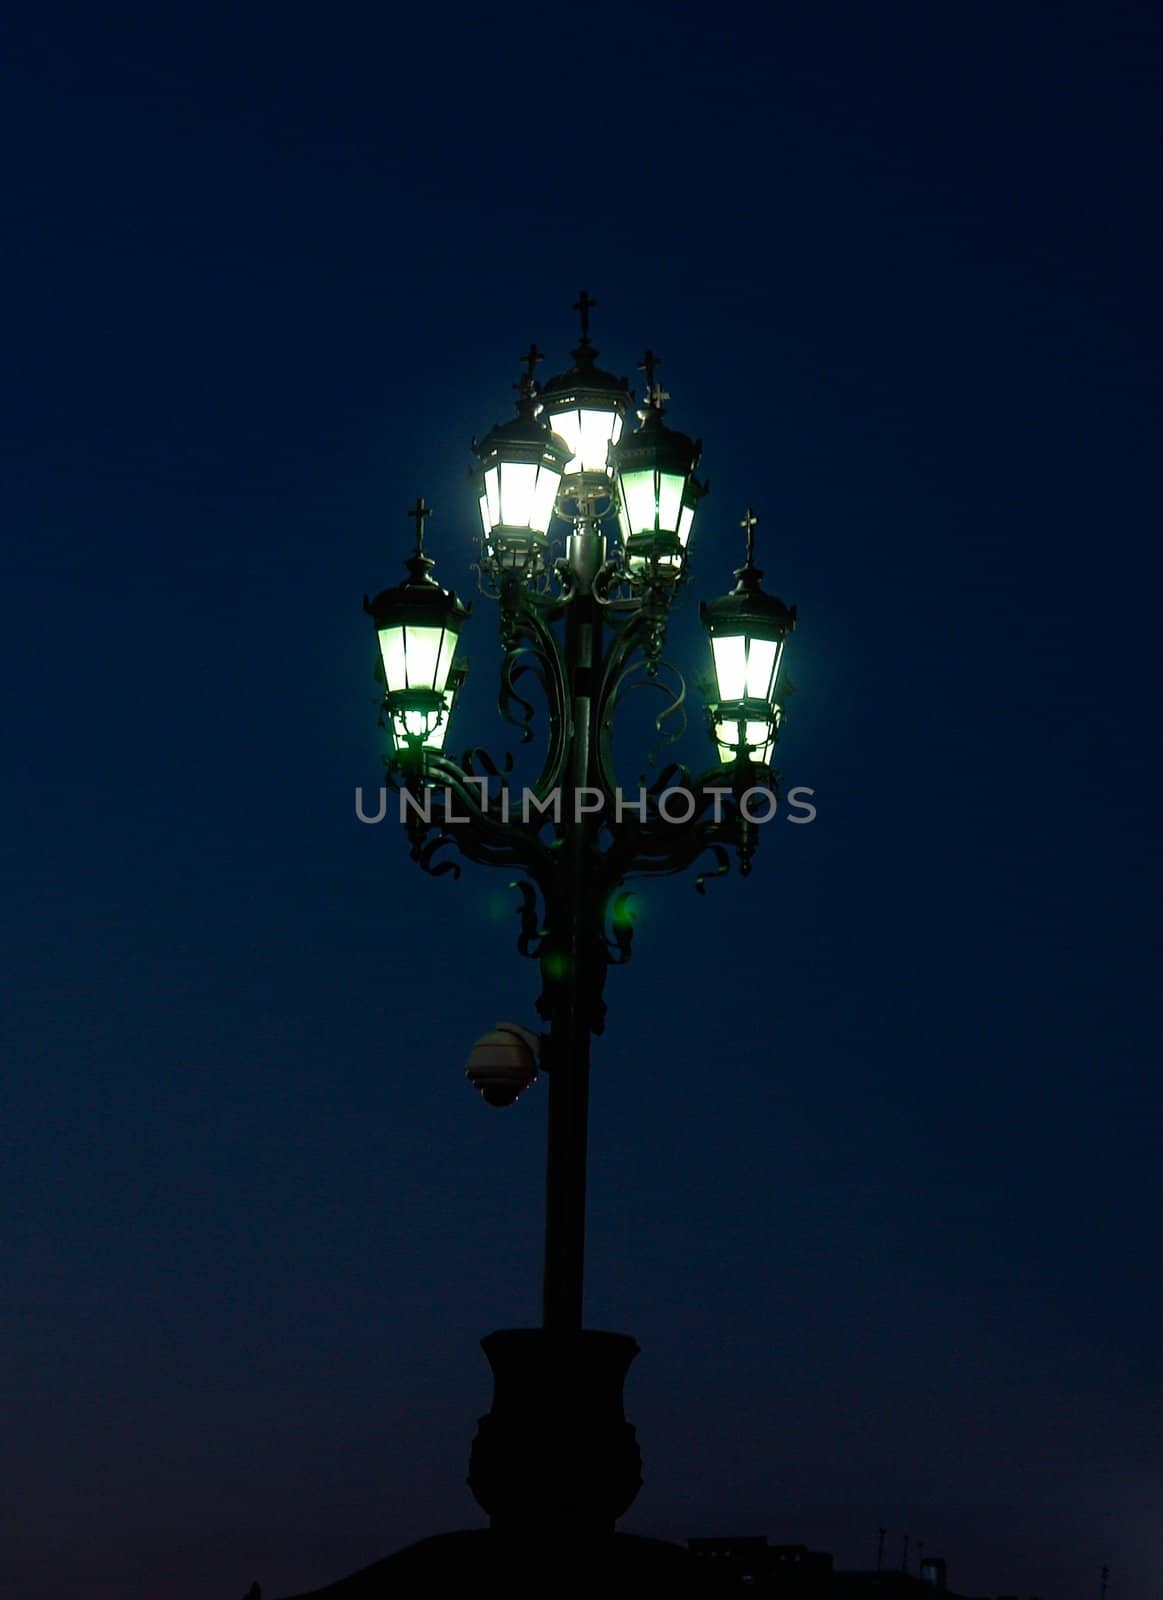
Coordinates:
(418, 624)
(748, 630)
(585, 629)
(654, 472)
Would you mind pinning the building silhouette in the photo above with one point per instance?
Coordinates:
(480, 1560)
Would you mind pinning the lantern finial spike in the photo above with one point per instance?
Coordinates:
(418, 564)
(420, 512)
(527, 384)
(656, 395)
(749, 574)
(750, 523)
(583, 305)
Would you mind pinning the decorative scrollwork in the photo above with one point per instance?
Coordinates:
(632, 663)
(721, 870)
(513, 668)
(531, 649)
(664, 679)
(424, 851)
(676, 708)
(621, 919)
(532, 935)
(478, 762)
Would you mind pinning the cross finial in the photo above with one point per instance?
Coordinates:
(656, 395)
(420, 512)
(583, 305)
(526, 386)
(750, 523)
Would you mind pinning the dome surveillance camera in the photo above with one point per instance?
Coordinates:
(503, 1063)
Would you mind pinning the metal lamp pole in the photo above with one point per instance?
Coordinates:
(569, 1036)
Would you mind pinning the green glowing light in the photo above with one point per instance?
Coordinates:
(622, 910)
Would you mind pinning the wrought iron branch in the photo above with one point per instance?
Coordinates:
(634, 662)
(532, 648)
(443, 799)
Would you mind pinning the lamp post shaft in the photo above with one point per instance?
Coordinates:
(565, 1184)
(576, 945)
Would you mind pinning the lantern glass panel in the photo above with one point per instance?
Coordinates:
(567, 425)
(544, 499)
(392, 651)
(685, 523)
(486, 520)
(762, 656)
(746, 668)
(638, 503)
(493, 494)
(518, 486)
(670, 486)
(730, 652)
(589, 435)
(416, 657)
(444, 660)
(421, 655)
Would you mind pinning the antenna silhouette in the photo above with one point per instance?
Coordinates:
(880, 1548)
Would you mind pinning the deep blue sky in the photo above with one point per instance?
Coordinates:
(875, 1175)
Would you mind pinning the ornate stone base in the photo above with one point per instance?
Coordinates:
(555, 1456)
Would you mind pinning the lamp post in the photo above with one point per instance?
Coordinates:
(586, 627)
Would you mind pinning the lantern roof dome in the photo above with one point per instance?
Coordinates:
(585, 378)
(419, 597)
(525, 431)
(748, 605)
(655, 444)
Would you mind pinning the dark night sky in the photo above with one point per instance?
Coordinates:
(875, 1134)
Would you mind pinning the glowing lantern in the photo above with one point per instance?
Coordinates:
(520, 470)
(418, 624)
(748, 630)
(587, 408)
(657, 489)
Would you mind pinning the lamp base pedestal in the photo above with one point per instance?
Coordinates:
(555, 1456)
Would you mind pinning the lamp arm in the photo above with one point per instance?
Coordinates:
(667, 858)
(446, 806)
(657, 846)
